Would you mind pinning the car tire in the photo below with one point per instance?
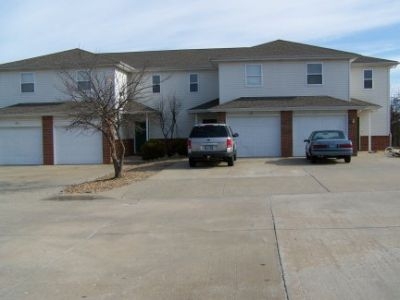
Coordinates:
(231, 161)
(313, 159)
(192, 163)
(347, 159)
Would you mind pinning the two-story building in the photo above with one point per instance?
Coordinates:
(272, 94)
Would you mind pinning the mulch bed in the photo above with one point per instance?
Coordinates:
(132, 173)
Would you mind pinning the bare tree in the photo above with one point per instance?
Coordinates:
(100, 99)
(168, 110)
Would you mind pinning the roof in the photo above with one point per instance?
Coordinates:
(75, 58)
(287, 104)
(374, 60)
(59, 108)
(185, 59)
(40, 109)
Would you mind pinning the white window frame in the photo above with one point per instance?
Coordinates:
(246, 76)
(322, 73)
(87, 73)
(33, 82)
(194, 82)
(371, 79)
(152, 83)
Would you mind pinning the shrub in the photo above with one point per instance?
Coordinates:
(179, 146)
(153, 149)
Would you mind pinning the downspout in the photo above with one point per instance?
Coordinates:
(147, 127)
(369, 132)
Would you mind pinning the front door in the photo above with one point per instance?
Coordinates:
(140, 135)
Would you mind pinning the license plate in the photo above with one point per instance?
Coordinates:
(208, 148)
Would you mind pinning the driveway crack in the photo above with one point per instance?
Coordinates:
(279, 254)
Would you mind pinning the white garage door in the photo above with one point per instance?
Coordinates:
(77, 146)
(304, 124)
(21, 146)
(259, 134)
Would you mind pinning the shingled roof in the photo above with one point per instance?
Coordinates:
(287, 104)
(74, 58)
(186, 59)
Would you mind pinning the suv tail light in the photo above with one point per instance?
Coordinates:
(229, 143)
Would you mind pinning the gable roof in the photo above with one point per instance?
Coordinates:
(186, 59)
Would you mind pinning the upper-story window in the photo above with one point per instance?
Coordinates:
(83, 80)
(156, 83)
(27, 83)
(194, 82)
(253, 75)
(314, 73)
(367, 79)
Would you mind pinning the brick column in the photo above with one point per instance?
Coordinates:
(106, 151)
(48, 140)
(286, 133)
(353, 129)
(221, 117)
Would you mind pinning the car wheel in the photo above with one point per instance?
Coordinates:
(192, 163)
(313, 159)
(231, 161)
(347, 159)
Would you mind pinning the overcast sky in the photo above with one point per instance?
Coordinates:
(30, 28)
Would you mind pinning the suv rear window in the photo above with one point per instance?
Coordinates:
(208, 131)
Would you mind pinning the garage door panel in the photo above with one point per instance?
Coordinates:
(21, 146)
(77, 146)
(258, 135)
(303, 125)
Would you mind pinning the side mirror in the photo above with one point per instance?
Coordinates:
(235, 135)
(306, 141)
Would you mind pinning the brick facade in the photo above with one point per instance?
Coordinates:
(377, 143)
(286, 133)
(48, 139)
(221, 117)
(353, 129)
(106, 151)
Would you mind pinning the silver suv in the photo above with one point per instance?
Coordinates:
(212, 142)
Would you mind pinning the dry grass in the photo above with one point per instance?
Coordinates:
(132, 173)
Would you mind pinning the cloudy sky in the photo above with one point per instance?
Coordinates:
(30, 28)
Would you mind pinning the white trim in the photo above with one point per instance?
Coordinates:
(197, 82)
(261, 76)
(33, 82)
(152, 83)
(322, 73)
(372, 79)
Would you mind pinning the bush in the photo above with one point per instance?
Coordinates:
(152, 149)
(179, 146)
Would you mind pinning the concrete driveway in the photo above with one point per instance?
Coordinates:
(263, 229)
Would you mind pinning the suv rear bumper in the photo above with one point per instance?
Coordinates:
(210, 155)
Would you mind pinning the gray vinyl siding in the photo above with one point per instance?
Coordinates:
(284, 79)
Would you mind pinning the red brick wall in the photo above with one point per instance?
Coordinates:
(47, 134)
(106, 151)
(221, 117)
(353, 129)
(286, 133)
(377, 142)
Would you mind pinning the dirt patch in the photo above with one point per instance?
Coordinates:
(132, 173)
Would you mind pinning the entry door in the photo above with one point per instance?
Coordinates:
(140, 135)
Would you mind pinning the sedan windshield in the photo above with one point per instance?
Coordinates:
(328, 135)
